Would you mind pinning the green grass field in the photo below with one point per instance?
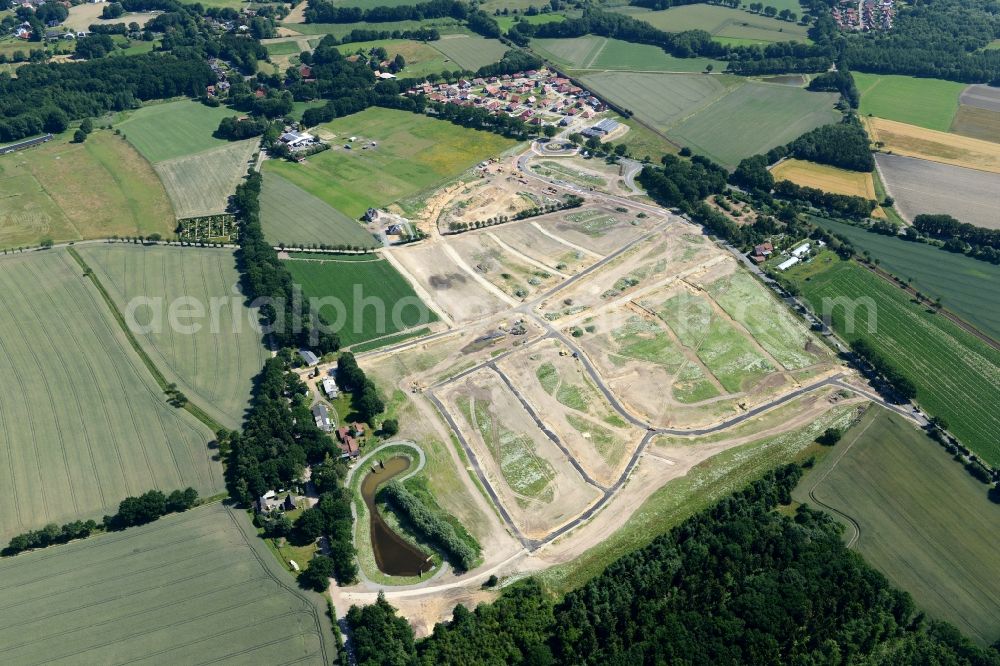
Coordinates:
(174, 129)
(198, 171)
(292, 216)
(215, 365)
(421, 58)
(195, 587)
(374, 299)
(723, 22)
(753, 119)
(601, 53)
(414, 153)
(924, 521)
(954, 372)
(957, 279)
(661, 100)
(339, 30)
(74, 191)
(506, 22)
(775, 328)
(470, 51)
(930, 103)
(284, 48)
(82, 422)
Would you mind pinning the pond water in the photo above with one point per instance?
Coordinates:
(394, 555)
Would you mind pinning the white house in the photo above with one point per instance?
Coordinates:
(801, 251)
(330, 387)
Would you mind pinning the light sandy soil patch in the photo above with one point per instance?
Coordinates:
(536, 482)
(667, 255)
(511, 274)
(81, 17)
(592, 174)
(558, 388)
(600, 229)
(529, 241)
(488, 198)
(912, 141)
(452, 288)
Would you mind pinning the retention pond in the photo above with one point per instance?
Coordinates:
(394, 555)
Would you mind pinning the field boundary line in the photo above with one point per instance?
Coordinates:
(194, 410)
(270, 573)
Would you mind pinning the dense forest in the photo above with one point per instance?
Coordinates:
(45, 97)
(738, 583)
(324, 11)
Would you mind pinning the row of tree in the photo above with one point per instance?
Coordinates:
(946, 227)
(738, 583)
(132, 511)
(884, 368)
(433, 528)
(838, 205)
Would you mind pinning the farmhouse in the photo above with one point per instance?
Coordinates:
(330, 387)
(322, 416)
(297, 139)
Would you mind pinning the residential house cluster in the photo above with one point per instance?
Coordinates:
(536, 96)
(272, 501)
(221, 85)
(761, 252)
(864, 15)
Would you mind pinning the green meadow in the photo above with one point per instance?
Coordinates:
(930, 103)
(414, 153)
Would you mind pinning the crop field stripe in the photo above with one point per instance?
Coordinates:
(951, 368)
(76, 394)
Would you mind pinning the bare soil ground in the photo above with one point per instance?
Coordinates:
(600, 229)
(530, 241)
(504, 269)
(538, 485)
(454, 289)
(558, 388)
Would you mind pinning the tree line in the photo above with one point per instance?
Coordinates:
(958, 234)
(45, 97)
(365, 399)
(736, 583)
(884, 368)
(132, 511)
(430, 526)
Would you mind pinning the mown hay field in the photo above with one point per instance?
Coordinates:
(924, 521)
(469, 51)
(912, 141)
(83, 424)
(195, 587)
(414, 153)
(752, 119)
(723, 22)
(376, 300)
(214, 365)
(174, 129)
(929, 103)
(957, 279)
(74, 191)
(601, 53)
(922, 186)
(828, 179)
(201, 184)
(507, 22)
(956, 374)
(292, 216)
